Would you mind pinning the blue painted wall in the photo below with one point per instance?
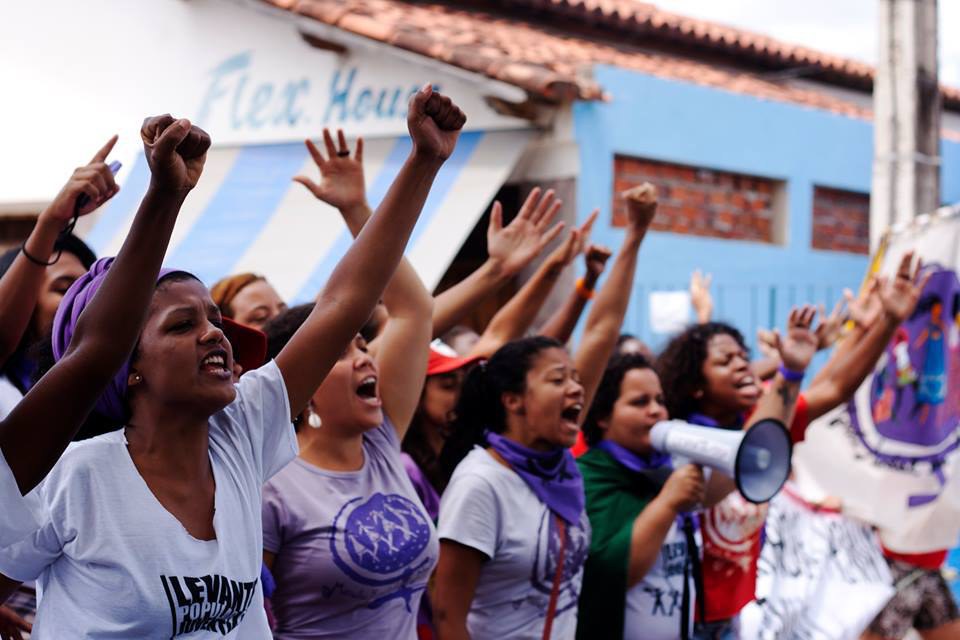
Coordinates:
(755, 284)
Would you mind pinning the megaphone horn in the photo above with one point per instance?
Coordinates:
(758, 459)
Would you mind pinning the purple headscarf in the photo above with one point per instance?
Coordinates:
(112, 403)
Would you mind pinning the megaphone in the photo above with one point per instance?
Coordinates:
(758, 459)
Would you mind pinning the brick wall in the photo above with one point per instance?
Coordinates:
(841, 220)
(703, 202)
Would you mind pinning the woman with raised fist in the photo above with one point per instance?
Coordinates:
(166, 510)
(514, 532)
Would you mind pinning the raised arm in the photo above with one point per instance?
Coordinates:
(560, 326)
(898, 299)
(863, 312)
(20, 285)
(700, 297)
(512, 321)
(358, 281)
(38, 430)
(779, 401)
(404, 346)
(610, 305)
(510, 249)
(796, 349)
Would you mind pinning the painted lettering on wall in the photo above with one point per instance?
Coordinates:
(240, 97)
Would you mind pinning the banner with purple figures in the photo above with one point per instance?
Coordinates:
(891, 454)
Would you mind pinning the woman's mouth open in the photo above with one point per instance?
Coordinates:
(367, 391)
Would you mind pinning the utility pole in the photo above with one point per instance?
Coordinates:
(906, 116)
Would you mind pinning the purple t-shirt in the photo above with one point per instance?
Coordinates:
(428, 495)
(354, 549)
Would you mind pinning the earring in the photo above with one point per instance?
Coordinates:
(314, 420)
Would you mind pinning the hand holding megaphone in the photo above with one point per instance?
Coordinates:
(685, 489)
(758, 459)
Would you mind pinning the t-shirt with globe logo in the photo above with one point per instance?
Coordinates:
(490, 508)
(353, 550)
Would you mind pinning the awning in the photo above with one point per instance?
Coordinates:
(247, 215)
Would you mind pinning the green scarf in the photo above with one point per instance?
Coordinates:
(615, 497)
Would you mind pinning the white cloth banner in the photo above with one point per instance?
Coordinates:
(821, 576)
(891, 454)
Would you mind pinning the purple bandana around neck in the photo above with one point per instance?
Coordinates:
(707, 421)
(635, 463)
(552, 475)
(632, 461)
(112, 404)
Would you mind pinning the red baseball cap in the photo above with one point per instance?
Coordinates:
(443, 359)
(249, 344)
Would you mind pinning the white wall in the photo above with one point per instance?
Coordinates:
(76, 72)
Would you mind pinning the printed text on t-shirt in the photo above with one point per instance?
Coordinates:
(207, 603)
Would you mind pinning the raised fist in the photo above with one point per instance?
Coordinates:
(175, 150)
(596, 258)
(434, 122)
(641, 205)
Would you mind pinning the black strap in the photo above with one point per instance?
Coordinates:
(63, 234)
(691, 565)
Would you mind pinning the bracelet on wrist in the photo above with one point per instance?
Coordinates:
(583, 290)
(38, 261)
(790, 375)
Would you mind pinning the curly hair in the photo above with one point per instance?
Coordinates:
(680, 366)
(609, 391)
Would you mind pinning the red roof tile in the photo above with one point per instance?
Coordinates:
(542, 46)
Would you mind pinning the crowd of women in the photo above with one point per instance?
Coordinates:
(185, 462)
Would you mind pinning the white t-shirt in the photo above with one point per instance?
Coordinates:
(20, 514)
(655, 604)
(10, 396)
(490, 508)
(111, 562)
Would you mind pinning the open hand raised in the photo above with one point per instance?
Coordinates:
(700, 296)
(175, 150)
(899, 296)
(434, 122)
(341, 176)
(865, 308)
(514, 246)
(799, 345)
(830, 327)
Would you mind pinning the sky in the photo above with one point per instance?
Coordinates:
(843, 27)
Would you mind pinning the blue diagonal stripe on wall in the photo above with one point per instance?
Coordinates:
(378, 189)
(123, 205)
(375, 192)
(238, 212)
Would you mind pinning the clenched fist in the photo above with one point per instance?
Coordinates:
(175, 150)
(434, 122)
(641, 206)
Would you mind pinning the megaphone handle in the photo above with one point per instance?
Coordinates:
(679, 461)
